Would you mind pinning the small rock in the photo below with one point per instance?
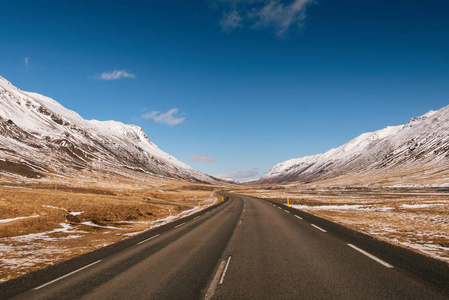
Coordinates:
(72, 219)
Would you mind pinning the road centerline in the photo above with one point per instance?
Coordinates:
(213, 285)
(225, 270)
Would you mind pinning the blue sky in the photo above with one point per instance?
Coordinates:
(232, 86)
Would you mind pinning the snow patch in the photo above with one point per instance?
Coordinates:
(18, 218)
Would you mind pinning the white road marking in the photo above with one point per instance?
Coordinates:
(196, 217)
(71, 273)
(148, 239)
(225, 270)
(214, 283)
(180, 225)
(279, 207)
(298, 217)
(319, 228)
(371, 256)
(286, 211)
(240, 222)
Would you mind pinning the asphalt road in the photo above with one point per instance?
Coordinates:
(245, 249)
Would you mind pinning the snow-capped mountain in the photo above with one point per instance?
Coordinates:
(39, 136)
(423, 140)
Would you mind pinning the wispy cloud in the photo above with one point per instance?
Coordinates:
(26, 60)
(116, 74)
(201, 157)
(164, 118)
(231, 20)
(277, 14)
(240, 175)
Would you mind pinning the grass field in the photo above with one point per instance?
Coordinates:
(41, 225)
(46, 222)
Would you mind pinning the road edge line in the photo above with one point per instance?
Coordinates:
(385, 264)
(66, 275)
(141, 242)
(319, 228)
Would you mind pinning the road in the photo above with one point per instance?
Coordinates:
(247, 248)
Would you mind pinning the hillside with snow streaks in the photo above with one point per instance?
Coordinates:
(38, 136)
(422, 141)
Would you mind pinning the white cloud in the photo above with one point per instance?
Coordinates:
(277, 14)
(27, 61)
(116, 74)
(201, 157)
(164, 118)
(240, 175)
(281, 16)
(230, 20)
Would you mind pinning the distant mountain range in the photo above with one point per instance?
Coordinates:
(39, 137)
(423, 141)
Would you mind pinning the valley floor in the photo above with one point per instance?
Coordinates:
(43, 224)
(414, 218)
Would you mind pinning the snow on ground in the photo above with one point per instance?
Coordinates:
(49, 206)
(30, 251)
(343, 207)
(171, 218)
(419, 240)
(420, 226)
(18, 218)
(73, 213)
(16, 187)
(185, 213)
(15, 257)
(419, 205)
(89, 223)
(46, 235)
(20, 254)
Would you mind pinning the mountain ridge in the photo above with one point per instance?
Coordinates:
(423, 140)
(38, 133)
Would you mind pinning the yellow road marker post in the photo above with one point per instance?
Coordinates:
(288, 202)
(199, 206)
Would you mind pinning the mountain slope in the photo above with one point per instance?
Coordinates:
(422, 141)
(38, 137)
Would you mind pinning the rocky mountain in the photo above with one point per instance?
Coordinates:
(422, 141)
(39, 137)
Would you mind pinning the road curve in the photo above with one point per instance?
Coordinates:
(173, 263)
(246, 248)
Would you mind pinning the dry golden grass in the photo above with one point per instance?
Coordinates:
(107, 211)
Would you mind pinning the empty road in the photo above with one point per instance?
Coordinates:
(247, 248)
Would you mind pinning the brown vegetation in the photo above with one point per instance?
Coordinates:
(42, 224)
